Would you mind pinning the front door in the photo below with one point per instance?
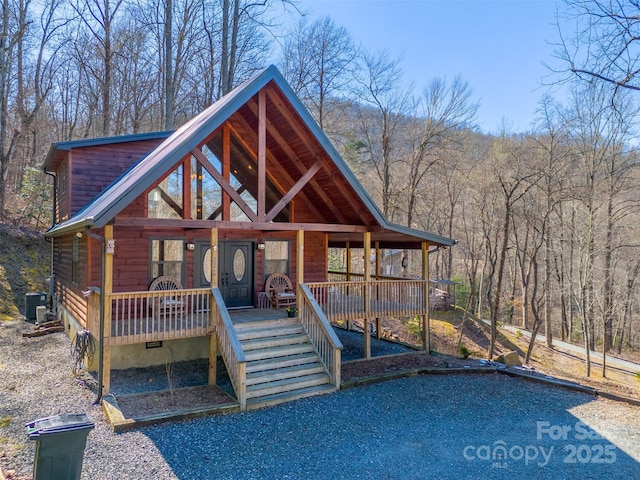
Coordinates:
(235, 270)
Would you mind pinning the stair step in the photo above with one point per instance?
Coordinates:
(287, 385)
(294, 371)
(262, 332)
(266, 324)
(282, 351)
(277, 398)
(276, 341)
(281, 362)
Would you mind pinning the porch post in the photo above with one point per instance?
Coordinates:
(426, 335)
(299, 266)
(367, 294)
(348, 247)
(377, 274)
(213, 340)
(108, 289)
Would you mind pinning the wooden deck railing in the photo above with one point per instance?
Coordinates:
(230, 348)
(138, 317)
(342, 276)
(321, 333)
(356, 300)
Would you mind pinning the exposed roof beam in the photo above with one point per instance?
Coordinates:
(170, 201)
(262, 155)
(264, 226)
(336, 210)
(278, 167)
(202, 158)
(293, 191)
(220, 209)
(273, 131)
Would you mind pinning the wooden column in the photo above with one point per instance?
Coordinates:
(213, 339)
(367, 294)
(226, 171)
(262, 154)
(426, 336)
(377, 274)
(186, 189)
(348, 248)
(299, 266)
(108, 289)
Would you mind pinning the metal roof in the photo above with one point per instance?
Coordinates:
(59, 147)
(144, 174)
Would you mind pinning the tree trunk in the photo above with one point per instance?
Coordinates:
(495, 307)
(168, 65)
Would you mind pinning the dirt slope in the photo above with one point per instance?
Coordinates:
(24, 267)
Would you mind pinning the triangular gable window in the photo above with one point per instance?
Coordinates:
(244, 170)
(166, 199)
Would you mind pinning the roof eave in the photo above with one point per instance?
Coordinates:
(67, 227)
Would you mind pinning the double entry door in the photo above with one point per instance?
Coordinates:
(236, 270)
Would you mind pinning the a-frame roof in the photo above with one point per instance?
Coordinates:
(296, 145)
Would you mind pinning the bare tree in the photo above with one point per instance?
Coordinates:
(99, 17)
(599, 129)
(514, 176)
(605, 44)
(241, 39)
(12, 30)
(441, 115)
(552, 142)
(318, 60)
(381, 111)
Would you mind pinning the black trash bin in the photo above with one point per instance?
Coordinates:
(32, 301)
(60, 443)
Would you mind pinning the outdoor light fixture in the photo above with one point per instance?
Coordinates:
(261, 246)
(191, 246)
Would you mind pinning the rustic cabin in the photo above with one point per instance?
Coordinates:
(158, 237)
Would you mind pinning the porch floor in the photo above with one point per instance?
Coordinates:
(243, 315)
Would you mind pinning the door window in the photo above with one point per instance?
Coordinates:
(239, 265)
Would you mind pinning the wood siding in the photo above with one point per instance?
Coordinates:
(69, 292)
(62, 193)
(94, 168)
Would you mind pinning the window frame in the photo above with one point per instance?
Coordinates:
(265, 273)
(152, 263)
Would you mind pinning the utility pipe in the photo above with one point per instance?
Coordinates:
(101, 333)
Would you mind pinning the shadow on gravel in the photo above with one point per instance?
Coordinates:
(445, 427)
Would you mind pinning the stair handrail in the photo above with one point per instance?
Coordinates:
(323, 337)
(230, 348)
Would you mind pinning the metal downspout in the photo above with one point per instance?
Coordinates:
(101, 328)
(53, 223)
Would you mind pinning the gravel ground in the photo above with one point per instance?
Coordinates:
(446, 427)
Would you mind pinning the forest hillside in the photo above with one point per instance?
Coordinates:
(24, 267)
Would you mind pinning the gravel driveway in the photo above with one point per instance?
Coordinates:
(444, 427)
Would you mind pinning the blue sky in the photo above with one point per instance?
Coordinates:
(497, 46)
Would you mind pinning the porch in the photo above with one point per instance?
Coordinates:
(268, 359)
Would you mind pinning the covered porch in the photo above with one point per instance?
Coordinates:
(264, 359)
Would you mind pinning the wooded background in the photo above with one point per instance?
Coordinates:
(546, 220)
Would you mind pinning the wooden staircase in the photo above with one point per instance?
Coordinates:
(282, 364)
